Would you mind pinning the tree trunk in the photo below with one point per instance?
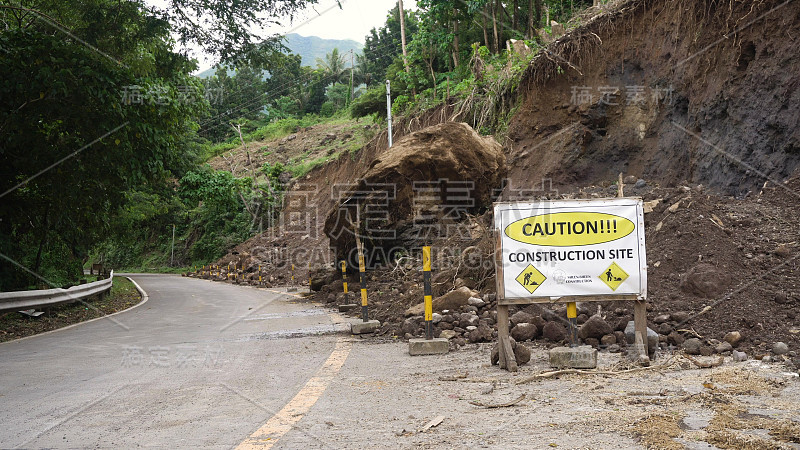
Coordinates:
(494, 28)
(500, 28)
(455, 43)
(485, 31)
(403, 34)
(514, 15)
(538, 7)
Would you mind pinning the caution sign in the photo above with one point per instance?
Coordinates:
(530, 278)
(571, 248)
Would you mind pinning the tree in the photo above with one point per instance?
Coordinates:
(384, 44)
(333, 67)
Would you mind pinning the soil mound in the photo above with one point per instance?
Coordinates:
(434, 175)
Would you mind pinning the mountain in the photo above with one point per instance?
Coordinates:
(309, 48)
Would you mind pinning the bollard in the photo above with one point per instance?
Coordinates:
(363, 279)
(259, 275)
(429, 345)
(572, 315)
(292, 274)
(428, 297)
(344, 277)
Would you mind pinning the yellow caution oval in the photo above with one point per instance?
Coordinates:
(570, 229)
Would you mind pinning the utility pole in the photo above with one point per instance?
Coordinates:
(403, 34)
(389, 109)
(352, 69)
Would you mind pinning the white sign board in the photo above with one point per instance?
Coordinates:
(572, 248)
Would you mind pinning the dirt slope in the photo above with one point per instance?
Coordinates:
(702, 91)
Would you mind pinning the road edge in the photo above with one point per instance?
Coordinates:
(144, 300)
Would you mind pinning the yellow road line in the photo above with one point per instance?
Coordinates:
(279, 424)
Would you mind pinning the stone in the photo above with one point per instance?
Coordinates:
(640, 183)
(467, 319)
(436, 346)
(652, 338)
(661, 318)
(539, 322)
(521, 317)
(481, 334)
(447, 334)
(476, 302)
(524, 332)
(554, 331)
(780, 348)
(471, 328)
(595, 327)
(594, 343)
(692, 346)
(369, 326)
(781, 297)
(614, 348)
(739, 356)
(733, 338)
(680, 316)
(620, 335)
(766, 359)
(451, 300)
(410, 325)
(581, 319)
(495, 356)
(664, 329)
(630, 179)
(675, 339)
(583, 357)
(436, 318)
(522, 354)
(608, 339)
(706, 350)
(723, 347)
(704, 280)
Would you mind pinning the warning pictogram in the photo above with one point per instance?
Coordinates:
(530, 278)
(613, 276)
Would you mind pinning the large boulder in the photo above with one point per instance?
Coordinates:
(596, 327)
(400, 195)
(453, 300)
(704, 280)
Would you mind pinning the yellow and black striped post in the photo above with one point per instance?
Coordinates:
(426, 279)
(344, 278)
(362, 276)
(259, 275)
(572, 316)
(292, 274)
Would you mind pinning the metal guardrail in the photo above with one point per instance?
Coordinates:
(22, 300)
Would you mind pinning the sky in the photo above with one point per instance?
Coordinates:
(353, 21)
(328, 21)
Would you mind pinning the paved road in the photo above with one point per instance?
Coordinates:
(201, 364)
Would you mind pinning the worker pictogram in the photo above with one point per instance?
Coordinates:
(613, 276)
(530, 278)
